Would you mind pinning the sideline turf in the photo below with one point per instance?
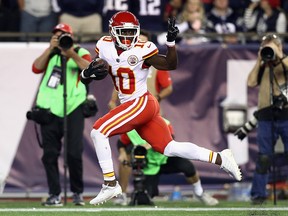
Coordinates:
(31, 208)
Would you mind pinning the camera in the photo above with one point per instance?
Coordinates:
(267, 54)
(65, 41)
(90, 107)
(139, 160)
(140, 195)
(279, 101)
(39, 115)
(242, 132)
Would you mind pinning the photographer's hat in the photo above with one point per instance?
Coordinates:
(63, 27)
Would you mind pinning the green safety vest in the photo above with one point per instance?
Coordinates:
(52, 98)
(155, 159)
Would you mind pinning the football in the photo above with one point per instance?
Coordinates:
(98, 62)
(99, 69)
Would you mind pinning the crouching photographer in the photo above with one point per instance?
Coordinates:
(61, 64)
(270, 75)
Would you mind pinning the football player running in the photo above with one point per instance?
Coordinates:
(129, 59)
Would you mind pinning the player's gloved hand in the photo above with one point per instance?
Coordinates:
(96, 70)
(172, 31)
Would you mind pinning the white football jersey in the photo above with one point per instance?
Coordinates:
(127, 70)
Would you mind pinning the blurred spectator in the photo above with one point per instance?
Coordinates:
(172, 9)
(223, 20)
(9, 17)
(110, 8)
(83, 16)
(194, 15)
(264, 16)
(284, 6)
(208, 4)
(239, 6)
(150, 14)
(37, 16)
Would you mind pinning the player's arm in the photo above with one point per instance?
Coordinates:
(162, 62)
(170, 60)
(165, 92)
(114, 99)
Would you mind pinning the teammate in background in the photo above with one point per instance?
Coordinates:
(129, 61)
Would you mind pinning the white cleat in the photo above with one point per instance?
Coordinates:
(207, 199)
(106, 194)
(229, 164)
(121, 200)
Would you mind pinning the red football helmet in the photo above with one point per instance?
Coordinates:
(124, 29)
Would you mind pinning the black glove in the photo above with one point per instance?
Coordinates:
(96, 70)
(172, 31)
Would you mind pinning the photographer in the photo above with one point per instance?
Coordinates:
(270, 74)
(62, 51)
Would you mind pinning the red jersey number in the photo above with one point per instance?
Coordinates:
(125, 74)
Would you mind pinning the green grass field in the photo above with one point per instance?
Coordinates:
(162, 208)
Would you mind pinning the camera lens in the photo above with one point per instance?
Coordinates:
(267, 54)
(29, 115)
(65, 41)
(140, 151)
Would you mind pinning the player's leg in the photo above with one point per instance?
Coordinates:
(157, 134)
(119, 120)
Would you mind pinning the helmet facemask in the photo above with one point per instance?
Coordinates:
(126, 35)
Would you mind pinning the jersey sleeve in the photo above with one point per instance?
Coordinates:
(97, 47)
(149, 49)
(101, 44)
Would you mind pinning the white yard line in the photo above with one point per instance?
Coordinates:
(137, 209)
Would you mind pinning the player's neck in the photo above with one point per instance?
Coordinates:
(119, 50)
